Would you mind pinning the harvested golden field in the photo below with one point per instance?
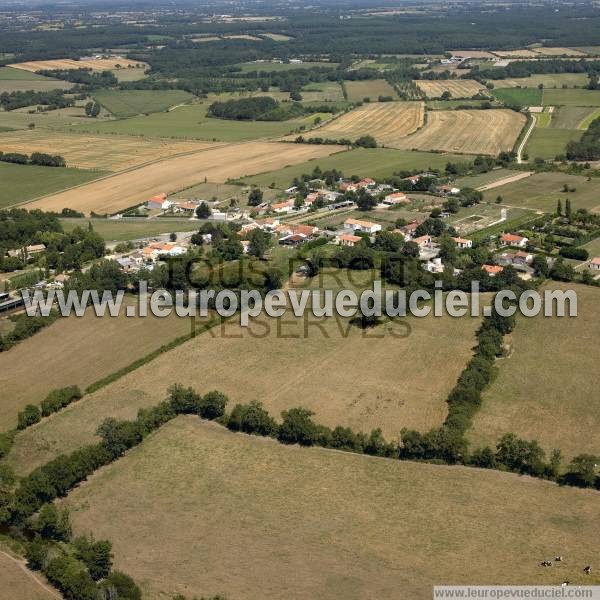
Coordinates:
(467, 131)
(387, 122)
(458, 88)
(215, 164)
(19, 583)
(346, 376)
(559, 51)
(90, 151)
(551, 397)
(249, 518)
(77, 351)
(101, 64)
(523, 53)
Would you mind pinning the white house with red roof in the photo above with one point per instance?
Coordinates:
(595, 264)
(348, 239)
(512, 239)
(463, 243)
(492, 270)
(396, 198)
(364, 226)
(283, 207)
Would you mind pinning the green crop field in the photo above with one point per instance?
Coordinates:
(546, 396)
(371, 88)
(475, 181)
(128, 103)
(522, 96)
(548, 143)
(191, 122)
(571, 97)
(25, 182)
(376, 162)
(541, 191)
(572, 117)
(269, 67)
(14, 80)
(129, 229)
(593, 247)
(548, 81)
(322, 91)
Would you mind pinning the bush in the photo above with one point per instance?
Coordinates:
(574, 253)
(297, 427)
(29, 416)
(70, 577)
(252, 418)
(121, 586)
(60, 398)
(212, 405)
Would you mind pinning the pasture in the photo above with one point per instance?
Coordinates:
(520, 96)
(325, 91)
(555, 80)
(103, 64)
(387, 122)
(270, 67)
(378, 394)
(78, 351)
(573, 117)
(106, 152)
(122, 230)
(17, 581)
(21, 183)
(129, 103)
(213, 164)
(458, 88)
(542, 191)
(14, 80)
(192, 122)
(366, 162)
(467, 131)
(272, 522)
(371, 88)
(547, 143)
(486, 179)
(575, 97)
(548, 395)
(59, 119)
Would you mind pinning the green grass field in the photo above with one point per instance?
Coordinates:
(128, 103)
(257, 520)
(548, 143)
(127, 229)
(323, 91)
(376, 163)
(523, 96)
(541, 191)
(475, 181)
(572, 117)
(543, 120)
(371, 88)
(269, 67)
(191, 122)
(571, 97)
(14, 80)
(25, 182)
(548, 81)
(548, 395)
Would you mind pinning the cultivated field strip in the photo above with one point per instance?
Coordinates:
(459, 88)
(215, 164)
(467, 131)
(387, 122)
(101, 64)
(90, 151)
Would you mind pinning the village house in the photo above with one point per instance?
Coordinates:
(519, 258)
(422, 241)
(492, 270)
(448, 190)
(413, 179)
(408, 231)
(595, 264)
(364, 226)
(367, 182)
(153, 251)
(347, 239)
(292, 240)
(312, 197)
(462, 243)
(186, 207)
(435, 265)
(283, 207)
(158, 202)
(396, 198)
(28, 251)
(348, 186)
(296, 229)
(512, 239)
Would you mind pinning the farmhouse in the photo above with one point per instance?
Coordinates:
(396, 198)
(492, 270)
(159, 201)
(408, 231)
(186, 207)
(292, 240)
(153, 251)
(462, 243)
(414, 179)
(283, 207)
(448, 189)
(348, 239)
(511, 239)
(595, 264)
(519, 258)
(364, 226)
(348, 186)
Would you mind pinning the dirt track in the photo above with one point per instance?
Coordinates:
(216, 165)
(501, 182)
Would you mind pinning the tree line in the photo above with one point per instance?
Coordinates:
(36, 158)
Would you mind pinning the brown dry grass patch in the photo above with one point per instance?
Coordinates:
(102, 64)
(88, 151)
(546, 390)
(346, 376)
(371, 88)
(387, 122)
(467, 131)
(215, 164)
(18, 583)
(77, 351)
(198, 510)
(459, 88)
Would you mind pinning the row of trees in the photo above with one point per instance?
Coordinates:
(588, 147)
(36, 158)
(56, 400)
(52, 99)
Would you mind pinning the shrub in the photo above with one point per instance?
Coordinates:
(29, 416)
(212, 405)
(297, 427)
(60, 398)
(252, 418)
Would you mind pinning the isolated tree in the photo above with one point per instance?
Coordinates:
(255, 197)
(203, 211)
(173, 237)
(540, 264)
(559, 208)
(446, 95)
(582, 470)
(568, 209)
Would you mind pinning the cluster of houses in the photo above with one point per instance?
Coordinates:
(147, 256)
